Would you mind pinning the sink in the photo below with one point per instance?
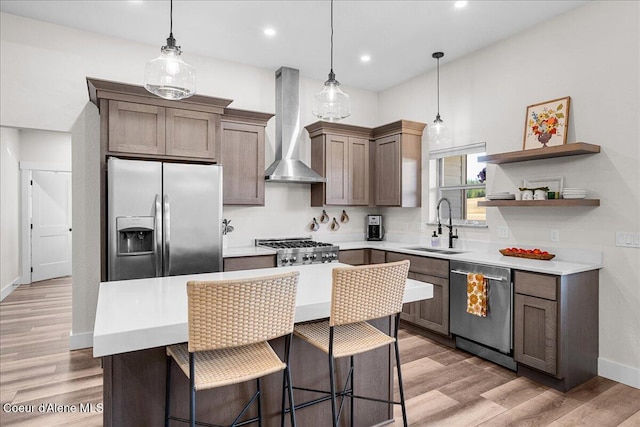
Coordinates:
(435, 250)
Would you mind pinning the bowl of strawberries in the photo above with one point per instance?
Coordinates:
(527, 253)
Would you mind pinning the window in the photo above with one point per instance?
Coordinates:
(458, 176)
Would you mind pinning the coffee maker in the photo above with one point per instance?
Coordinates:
(375, 230)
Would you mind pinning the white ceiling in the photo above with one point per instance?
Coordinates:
(400, 36)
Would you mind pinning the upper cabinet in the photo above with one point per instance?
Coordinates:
(242, 156)
(397, 157)
(340, 153)
(139, 124)
(367, 167)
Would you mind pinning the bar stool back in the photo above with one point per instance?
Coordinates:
(230, 322)
(359, 294)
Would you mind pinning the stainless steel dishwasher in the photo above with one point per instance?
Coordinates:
(490, 337)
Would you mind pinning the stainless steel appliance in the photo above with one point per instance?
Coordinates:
(375, 230)
(489, 337)
(287, 166)
(300, 250)
(164, 219)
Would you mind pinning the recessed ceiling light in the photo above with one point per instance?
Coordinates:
(365, 58)
(269, 32)
(460, 4)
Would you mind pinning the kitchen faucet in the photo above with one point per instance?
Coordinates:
(450, 226)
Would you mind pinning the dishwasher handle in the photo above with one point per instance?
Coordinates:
(465, 273)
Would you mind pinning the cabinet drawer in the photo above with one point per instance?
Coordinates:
(430, 266)
(353, 257)
(377, 257)
(536, 285)
(249, 262)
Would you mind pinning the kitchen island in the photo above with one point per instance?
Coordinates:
(136, 319)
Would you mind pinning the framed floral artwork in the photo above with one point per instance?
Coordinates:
(546, 124)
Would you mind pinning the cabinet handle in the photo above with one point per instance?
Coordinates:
(500, 279)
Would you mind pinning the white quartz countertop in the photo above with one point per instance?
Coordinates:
(487, 256)
(146, 313)
(246, 251)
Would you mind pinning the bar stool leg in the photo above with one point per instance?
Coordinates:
(287, 385)
(352, 390)
(167, 394)
(192, 387)
(332, 380)
(400, 387)
(259, 403)
(292, 411)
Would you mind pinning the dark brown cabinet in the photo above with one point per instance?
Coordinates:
(556, 327)
(135, 123)
(249, 262)
(431, 314)
(136, 128)
(340, 153)
(149, 129)
(397, 153)
(242, 156)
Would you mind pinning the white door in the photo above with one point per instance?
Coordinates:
(51, 223)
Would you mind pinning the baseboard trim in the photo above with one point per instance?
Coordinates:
(80, 340)
(12, 286)
(624, 374)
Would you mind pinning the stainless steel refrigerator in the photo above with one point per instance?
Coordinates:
(164, 219)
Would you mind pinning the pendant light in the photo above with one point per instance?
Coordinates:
(168, 76)
(438, 132)
(331, 104)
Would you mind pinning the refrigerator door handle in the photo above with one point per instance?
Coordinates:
(158, 236)
(167, 236)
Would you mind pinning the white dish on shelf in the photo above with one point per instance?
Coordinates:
(574, 196)
(501, 196)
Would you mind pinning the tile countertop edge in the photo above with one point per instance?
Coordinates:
(549, 267)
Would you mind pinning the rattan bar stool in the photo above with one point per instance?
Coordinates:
(230, 322)
(358, 294)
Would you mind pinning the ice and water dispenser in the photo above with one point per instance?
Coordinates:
(135, 235)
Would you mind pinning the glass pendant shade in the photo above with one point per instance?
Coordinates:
(438, 131)
(331, 104)
(168, 76)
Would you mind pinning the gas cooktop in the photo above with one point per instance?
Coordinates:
(300, 250)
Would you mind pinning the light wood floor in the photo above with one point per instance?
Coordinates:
(443, 387)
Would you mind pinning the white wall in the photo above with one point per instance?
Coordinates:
(592, 55)
(9, 210)
(41, 146)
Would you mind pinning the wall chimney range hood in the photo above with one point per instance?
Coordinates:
(287, 166)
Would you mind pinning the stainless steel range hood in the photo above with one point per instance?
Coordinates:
(287, 167)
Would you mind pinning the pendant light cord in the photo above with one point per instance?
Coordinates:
(438, 78)
(331, 36)
(171, 19)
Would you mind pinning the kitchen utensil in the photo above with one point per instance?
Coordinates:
(314, 226)
(501, 196)
(344, 218)
(324, 218)
(334, 225)
(527, 195)
(540, 194)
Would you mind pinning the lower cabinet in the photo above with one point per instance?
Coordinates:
(431, 314)
(556, 327)
(249, 262)
(354, 256)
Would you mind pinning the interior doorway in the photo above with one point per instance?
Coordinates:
(46, 219)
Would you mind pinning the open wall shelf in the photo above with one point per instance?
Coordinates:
(540, 203)
(573, 149)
